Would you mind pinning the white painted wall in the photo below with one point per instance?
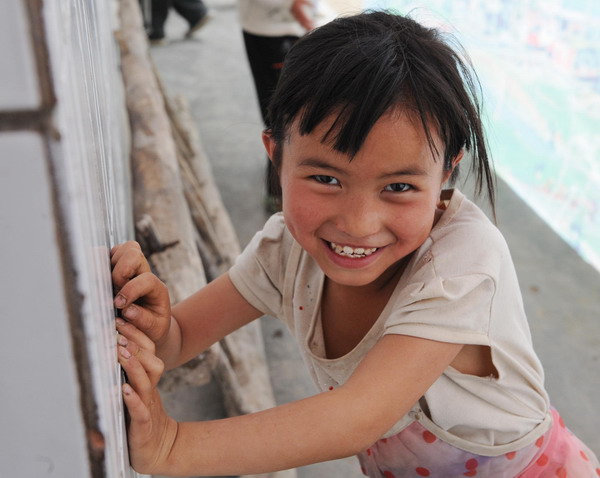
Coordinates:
(17, 66)
(64, 201)
(41, 427)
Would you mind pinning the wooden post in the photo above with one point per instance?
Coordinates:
(181, 219)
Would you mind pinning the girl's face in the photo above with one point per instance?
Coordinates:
(358, 219)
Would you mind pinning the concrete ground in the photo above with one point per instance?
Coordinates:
(561, 292)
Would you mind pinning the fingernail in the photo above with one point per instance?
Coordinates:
(120, 321)
(122, 340)
(127, 389)
(120, 301)
(124, 352)
(130, 312)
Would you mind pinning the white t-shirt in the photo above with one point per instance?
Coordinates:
(273, 18)
(460, 286)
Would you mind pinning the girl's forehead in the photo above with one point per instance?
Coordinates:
(398, 125)
(396, 139)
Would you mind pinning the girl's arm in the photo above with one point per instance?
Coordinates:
(193, 325)
(330, 425)
(207, 316)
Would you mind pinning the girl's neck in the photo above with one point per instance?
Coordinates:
(349, 312)
(384, 283)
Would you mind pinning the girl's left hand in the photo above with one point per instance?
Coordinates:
(151, 432)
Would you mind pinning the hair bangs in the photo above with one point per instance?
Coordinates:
(358, 87)
(356, 69)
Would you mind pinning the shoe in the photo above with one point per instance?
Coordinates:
(156, 38)
(198, 25)
(157, 41)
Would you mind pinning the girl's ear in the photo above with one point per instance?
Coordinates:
(457, 159)
(269, 143)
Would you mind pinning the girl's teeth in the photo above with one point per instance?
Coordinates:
(351, 252)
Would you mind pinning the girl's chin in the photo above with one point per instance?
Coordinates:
(350, 280)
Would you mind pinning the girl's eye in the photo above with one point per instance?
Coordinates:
(398, 187)
(320, 178)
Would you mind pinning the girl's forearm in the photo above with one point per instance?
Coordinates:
(324, 427)
(327, 426)
(203, 319)
(176, 350)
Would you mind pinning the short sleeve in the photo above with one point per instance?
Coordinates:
(455, 309)
(259, 271)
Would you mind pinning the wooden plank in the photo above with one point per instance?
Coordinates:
(173, 185)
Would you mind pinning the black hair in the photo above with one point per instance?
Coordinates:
(361, 67)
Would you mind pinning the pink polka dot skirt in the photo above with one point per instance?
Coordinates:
(416, 452)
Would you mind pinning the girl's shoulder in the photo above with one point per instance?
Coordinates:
(466, 240)
(274, 228)
(259, 271)
(268, 250)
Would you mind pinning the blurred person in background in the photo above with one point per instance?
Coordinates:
(194, 12)
(270, 28)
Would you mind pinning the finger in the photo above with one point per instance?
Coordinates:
(145, 328)
(140, 419)
(118, 249)
(128, 263)
(147, 430)
(131, 332)
(145, 286)
(128, 248)
(155, 325)
(152, 365)
(137, 377)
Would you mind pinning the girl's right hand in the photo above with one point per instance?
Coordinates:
(141, 296)
(151, 432)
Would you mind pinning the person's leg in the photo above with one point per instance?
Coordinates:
(160, 11)
(192, 11)
(266, 56)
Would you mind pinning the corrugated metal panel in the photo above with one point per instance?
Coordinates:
(92, 165)
(65, 195)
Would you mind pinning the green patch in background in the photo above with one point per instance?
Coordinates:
(539, 66)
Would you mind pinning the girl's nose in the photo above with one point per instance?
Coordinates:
(359, 219)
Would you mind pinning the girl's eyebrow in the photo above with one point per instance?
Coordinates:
(412, 170)
(408, 171)
(319, 163)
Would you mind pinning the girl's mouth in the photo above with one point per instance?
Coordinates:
(352, 252)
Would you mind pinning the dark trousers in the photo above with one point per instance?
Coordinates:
(190, 10)
(266, 56)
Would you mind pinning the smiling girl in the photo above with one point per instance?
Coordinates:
(401, 294)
